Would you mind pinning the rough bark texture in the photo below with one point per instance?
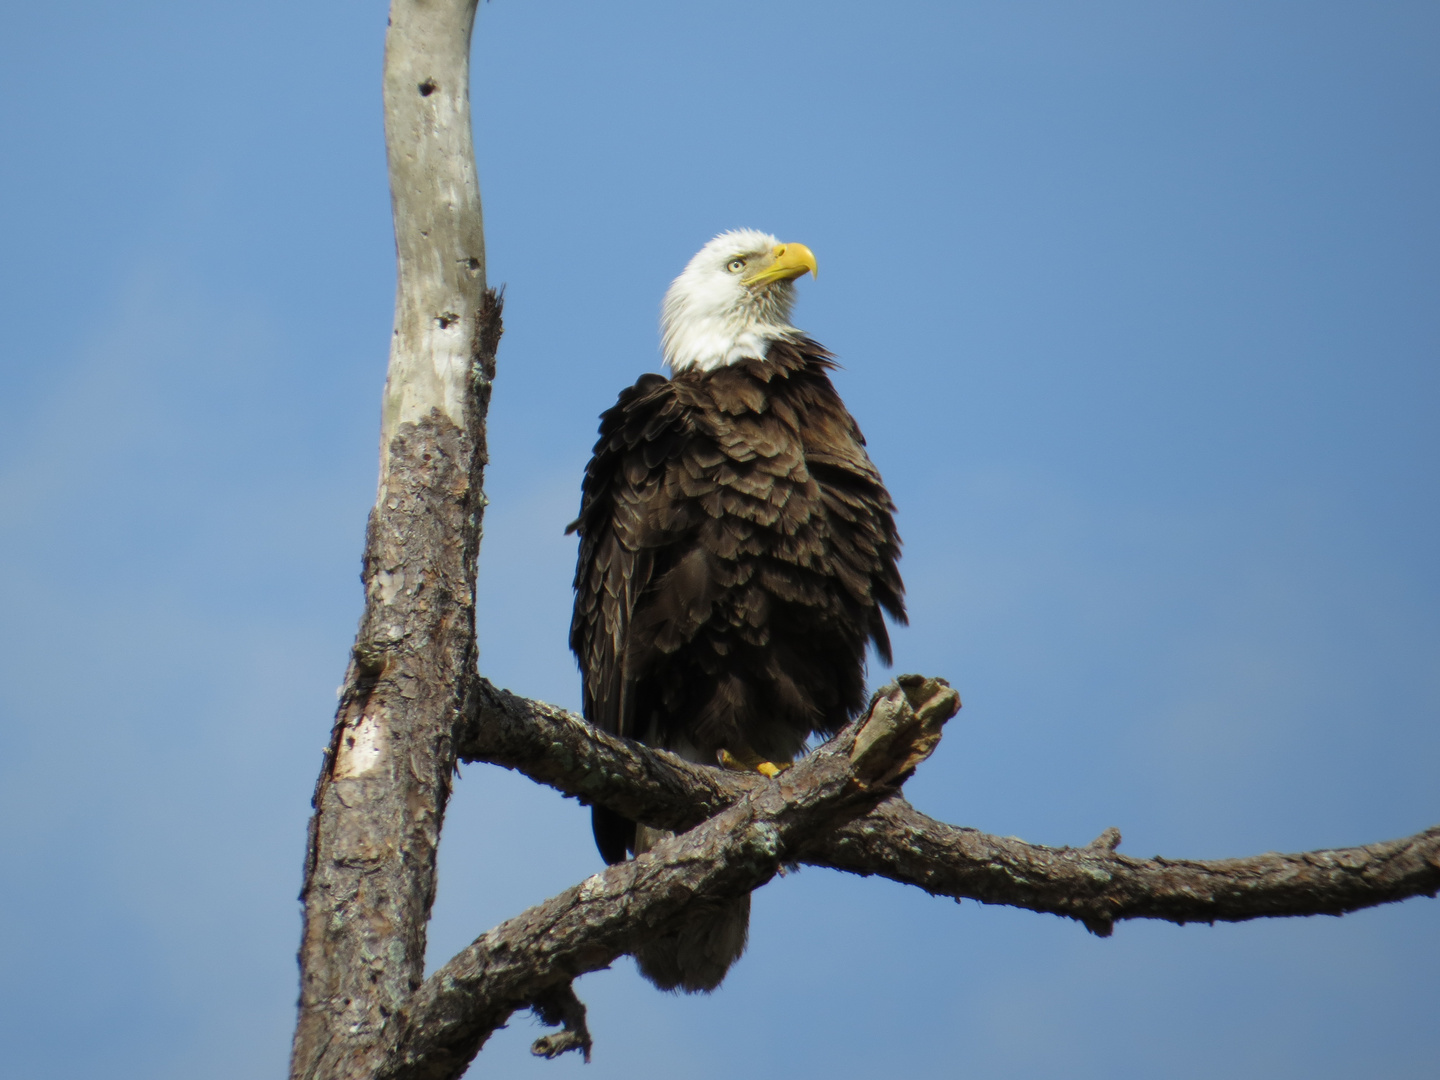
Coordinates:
(379, 801)
(369, 880)
(558, 748)
(1098, 886)
(1093, 884)
(370, 862)
(591, 924)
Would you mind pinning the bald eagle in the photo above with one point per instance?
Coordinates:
(737, 549)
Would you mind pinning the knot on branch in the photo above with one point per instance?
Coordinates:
(559, 1007)
(902, 730)
(1108, 840)
(1098, 925)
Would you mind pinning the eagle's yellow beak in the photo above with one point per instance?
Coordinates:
(790, 261)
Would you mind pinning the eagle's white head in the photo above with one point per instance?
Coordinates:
(732, 300)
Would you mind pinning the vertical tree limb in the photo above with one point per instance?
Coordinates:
(381, 794)
(439, 227)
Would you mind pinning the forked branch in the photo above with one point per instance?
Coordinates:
(839, 807)
(537, 954)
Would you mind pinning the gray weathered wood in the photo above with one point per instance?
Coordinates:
(439, 227)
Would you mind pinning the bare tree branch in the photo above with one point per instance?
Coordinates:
(1098, 886)
(1093, 884)
(588, 926)
(558, 748)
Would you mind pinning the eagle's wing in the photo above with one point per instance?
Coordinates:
(864, 544)
(624, 527)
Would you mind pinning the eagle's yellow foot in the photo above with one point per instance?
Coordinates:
(751, 762)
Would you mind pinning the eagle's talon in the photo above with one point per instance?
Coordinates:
(751, 762)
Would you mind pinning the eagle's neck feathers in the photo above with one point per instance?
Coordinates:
(697, 339)
(711, 319)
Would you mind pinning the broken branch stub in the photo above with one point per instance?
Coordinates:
(902, 729)
(559, 1007)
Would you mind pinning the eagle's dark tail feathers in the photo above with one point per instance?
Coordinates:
(614, 835)
(695, 955)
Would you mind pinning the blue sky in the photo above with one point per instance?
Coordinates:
(1137, 307)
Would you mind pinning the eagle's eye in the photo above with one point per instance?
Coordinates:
(735, 265)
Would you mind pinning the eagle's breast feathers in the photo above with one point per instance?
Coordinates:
(737, 549)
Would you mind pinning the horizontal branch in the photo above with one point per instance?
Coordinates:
(558, 748)
(1098, 886)
(1094, 884)
(531, 958)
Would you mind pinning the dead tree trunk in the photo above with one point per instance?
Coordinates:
(379, 802)
(413, 703)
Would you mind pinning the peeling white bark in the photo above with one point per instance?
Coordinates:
(361, 748)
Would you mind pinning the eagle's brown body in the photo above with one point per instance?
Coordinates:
(737, 551)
